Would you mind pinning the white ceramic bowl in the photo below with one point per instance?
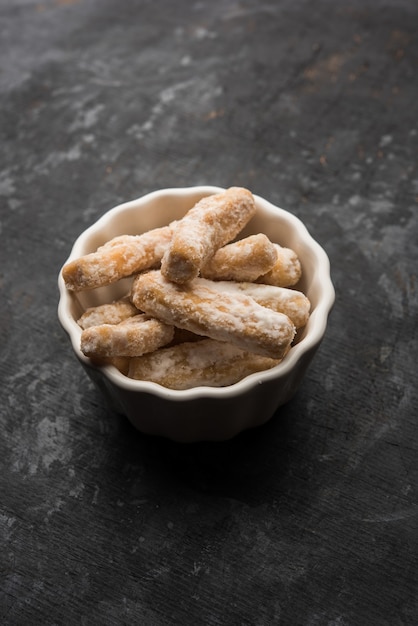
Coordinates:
(201, 413)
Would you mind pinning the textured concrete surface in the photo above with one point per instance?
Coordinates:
(313, 519)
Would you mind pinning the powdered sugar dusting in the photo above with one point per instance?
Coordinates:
(207, 362)
(211, 223)
(206, 310)
(286, 271)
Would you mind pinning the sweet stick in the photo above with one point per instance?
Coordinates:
(119, 258)
(208, 362)
(132, 337)
(202, 308)
(243, 260)
(287, 270)
(210, 224)
(291, 302)
(111, 313)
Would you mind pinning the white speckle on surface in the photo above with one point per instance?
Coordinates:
(196, 569)
(338, 621)
(7, 183)
(382, 205)
(7, 186)
(95, 494)
(274, 158)
(6, 524)
(385, 352)
(394, 297)
(49, 438)
(14, 204)
(54, 159)
(385, 140)
(76, 491)
(56, 506)
(393, 516)
(74, 153)
(87, 118)
(186, 60)
(354, 200)
(52, 441)
(164, 99)
(203, 33)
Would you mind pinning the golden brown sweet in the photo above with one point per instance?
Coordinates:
(208, 362)
(243, 260)
(291, 302)
(112, 313)
(118, 258)
(286, 271)
(213, 222)
(204, 309)
(132, 337)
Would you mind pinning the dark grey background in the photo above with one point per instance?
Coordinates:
(313, 519)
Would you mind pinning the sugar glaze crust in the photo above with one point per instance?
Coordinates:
(242, 260)
(119, 258)
(207, 362)
(287, 270)
(291, 302)
(112, 313)
(210, 224)
(202, 308)
(132, 337)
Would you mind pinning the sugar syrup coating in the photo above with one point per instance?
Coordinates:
(210, 224)
(287, 270)
(203, 308)
(208, 362)
(291, 302)
(243, 260)
(112, 313)
(132, 337)
(119, 258)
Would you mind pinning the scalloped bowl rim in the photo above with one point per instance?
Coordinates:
(316, 325)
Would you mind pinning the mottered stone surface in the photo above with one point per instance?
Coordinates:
(312, 519)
